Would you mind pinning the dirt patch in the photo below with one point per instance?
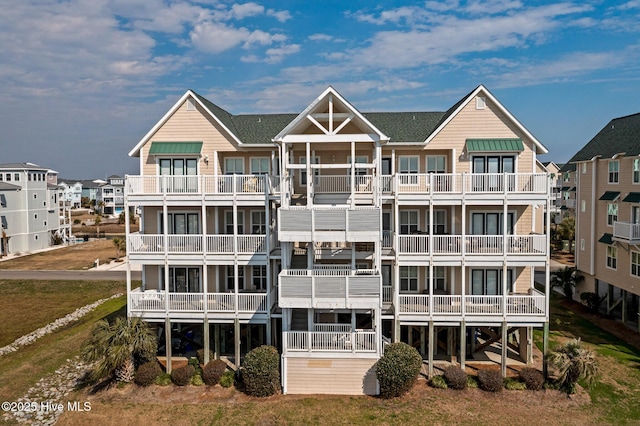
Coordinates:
(77, 256)
(564, 257)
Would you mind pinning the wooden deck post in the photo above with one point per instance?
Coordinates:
(505, 346)
(431, 348)
(463, 344)
(205, 337)
(216, 341)
(167, 342)
(237, 338)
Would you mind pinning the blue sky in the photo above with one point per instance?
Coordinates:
(81, 81)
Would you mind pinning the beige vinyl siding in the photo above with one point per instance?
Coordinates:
(486, 123)
(331, 376)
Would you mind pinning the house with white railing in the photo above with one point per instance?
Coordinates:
(332, 232)
(605, 179)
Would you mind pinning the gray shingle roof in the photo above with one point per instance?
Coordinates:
(620, 135)
(4, 186)
(22, 166)
(399, 126)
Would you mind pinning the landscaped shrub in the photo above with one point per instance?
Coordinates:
(200, 355)
(456, 377)
(438, 382)
(261, 371)
(398, 369)
(472, 382)
(196, 380)
(490, 380)
(532, 378)
(573, 363)
(164, 379)
(513, 384)
(196, 365)
(181, 376)
(228, 379)
(147, 373)
(213, 371)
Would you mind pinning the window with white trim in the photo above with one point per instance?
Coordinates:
(409, 278)
(614, 171)
(360, 159)
(439, 282)
(234, 166)
(489, 281)
(583, 205)
(191, 105)
(566, 177)
(436, 164)
(584, 168)
(182, 280)
(481, 102)
(635, 263)
(229, 219)
(439, 222)
(180, 223)
(612, 257)
(259, 277)
(409, 222)
(636, 170)
(259, 165)
(408, 164)
(230, 278)
(612, 213)
(258, 222)
(582, 244)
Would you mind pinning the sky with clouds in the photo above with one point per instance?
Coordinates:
(81, 81)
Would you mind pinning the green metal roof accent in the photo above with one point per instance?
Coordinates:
(484, 145)
(610, 196)
(606, 238)
(633, 197)
(565, 188)
(175, 148)
(573, 189)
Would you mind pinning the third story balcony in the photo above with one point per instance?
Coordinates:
(148, 245)
(626, 232)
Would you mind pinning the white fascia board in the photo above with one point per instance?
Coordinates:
(330, 138)
(136, 150)
(280, 137)
(541, 148)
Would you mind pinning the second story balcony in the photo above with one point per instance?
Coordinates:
(256, 186)
(329, 224)
(484, 245)
(145, 246)
(330, 288)
(626, 232)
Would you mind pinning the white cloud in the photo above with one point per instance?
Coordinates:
(245, 10)
(277, 54)
(280, 15)
(320, 37)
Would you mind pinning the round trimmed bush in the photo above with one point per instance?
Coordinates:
(181, 376)
(213, 371)
(398, 369)
(147, 373)
(532, 378)
(490, 380)
(261, 371)
(228, 379)
(456, 377)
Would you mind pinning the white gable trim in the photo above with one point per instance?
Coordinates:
(136, 150)
(303, 116)
(541, 148)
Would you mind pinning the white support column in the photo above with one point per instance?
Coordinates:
(503, 366)
(432, 345)
(167, 342)
(463, 344)
(128, 277)
(309, 175)
(353, 174)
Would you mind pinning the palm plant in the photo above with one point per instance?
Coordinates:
(118, 347)
(574, 363)
(567, 279)
(120, 246)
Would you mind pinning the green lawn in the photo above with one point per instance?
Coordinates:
(28, 304)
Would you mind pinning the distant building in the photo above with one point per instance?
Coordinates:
(111, 194)
(71, 193)
(31, 213)
(601, 187)
(554, 172)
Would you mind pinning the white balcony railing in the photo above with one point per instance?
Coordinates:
(330, 287)
(225, 184)
(626, 231)
(357, 224)
(159, 301)
(341, 184)
(322, 341)
(474, 244)
(188, 244)
(485, 305)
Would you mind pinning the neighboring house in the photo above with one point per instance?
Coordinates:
(71, 192)
(32, 215)
(556, 196)
(90, 188)
(111, 194)
(606, 173)
(332, 232)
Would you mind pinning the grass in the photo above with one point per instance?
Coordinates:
(22, 369)
(29, 304)
(76, 257)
